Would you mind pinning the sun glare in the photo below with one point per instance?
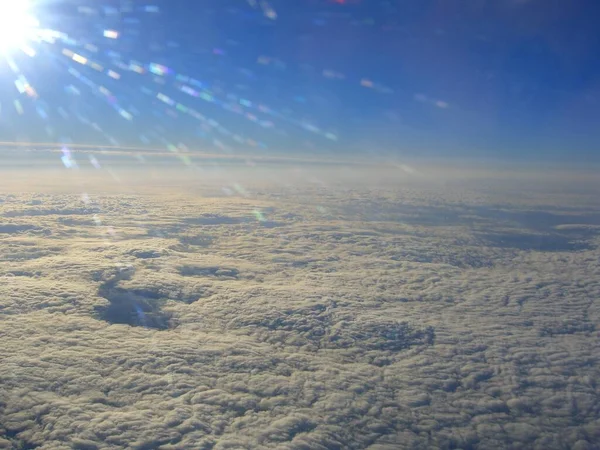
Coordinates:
(17, 24)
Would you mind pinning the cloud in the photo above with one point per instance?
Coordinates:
(373, 315)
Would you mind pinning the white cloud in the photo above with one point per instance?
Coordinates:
(387, 318)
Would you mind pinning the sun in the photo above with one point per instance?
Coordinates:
(17, 24)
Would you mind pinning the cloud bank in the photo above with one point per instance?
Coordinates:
(235, 313)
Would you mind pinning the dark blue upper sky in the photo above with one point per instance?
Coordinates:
(503, 78)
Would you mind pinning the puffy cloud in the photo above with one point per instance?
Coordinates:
(353, 313)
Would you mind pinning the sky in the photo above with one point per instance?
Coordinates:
(511, 79)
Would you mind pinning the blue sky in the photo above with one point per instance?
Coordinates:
(507, 78)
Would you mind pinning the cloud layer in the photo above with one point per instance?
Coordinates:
(230, 313)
